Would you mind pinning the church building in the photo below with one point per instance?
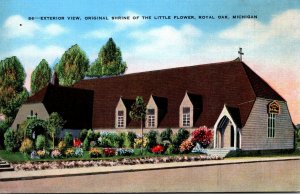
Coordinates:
(237, 104)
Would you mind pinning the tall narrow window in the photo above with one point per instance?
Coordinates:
(186, 117)
(120, 118)
(151, 117)
(271, 125)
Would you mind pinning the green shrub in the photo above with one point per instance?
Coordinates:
(170, 150)
(152, 139)
(131, 136)
(179, 137)
(68, 139)
(4, 125)
(40, 142)
(11, 141)
(127, 143)
(91, 135)
(86, 144)
(166, 134)
(83, 134)
(26, 146)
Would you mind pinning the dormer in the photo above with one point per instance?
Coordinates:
(156, 110)
(190, 110)
(122, 113)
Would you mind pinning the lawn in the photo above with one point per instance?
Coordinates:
(15, 157)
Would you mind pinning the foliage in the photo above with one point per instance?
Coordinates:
(4, 125)
(78, 152)
(68, 139)
(95, 152)
(203, 136)
(69, 152)
(72, 66)
(86, 144)
(40, 77)
(111, 140)
(83, 134)
(109, 61)
(62, 146)
(166, 134)
(13, 94)
(124, 152)
(90, 136)
(179, 137)
(158, 149)
(138, 109)
(131, 136)
(93, 144)
(54, 125)
(138, 142)
(109, 152)
(170, 150)
(138, 112)
(186, 146)
(26, 146)
(152, 139)
(40, 142)
(11, 140)
(55, 153)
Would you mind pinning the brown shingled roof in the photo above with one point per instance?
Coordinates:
(231, 83)
(73, 104)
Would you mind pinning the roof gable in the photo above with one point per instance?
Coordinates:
(218, 83)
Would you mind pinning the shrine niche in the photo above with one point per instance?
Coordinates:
(274, 107)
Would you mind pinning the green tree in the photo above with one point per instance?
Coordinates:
(40, 77)
(13, 94)
(138, 113)
(54, 125)
(72, 67)
(109, 61)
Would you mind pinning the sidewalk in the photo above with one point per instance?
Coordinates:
(26, 175)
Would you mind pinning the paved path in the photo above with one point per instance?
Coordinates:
(238, 175)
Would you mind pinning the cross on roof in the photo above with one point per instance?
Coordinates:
(241, 53)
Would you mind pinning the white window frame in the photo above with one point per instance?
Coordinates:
(120, 119)
(151, 118)
(271, 125)
(186, 117)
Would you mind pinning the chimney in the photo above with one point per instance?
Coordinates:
(55, 80)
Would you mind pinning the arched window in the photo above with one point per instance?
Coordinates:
(271, 125)
(273, 110)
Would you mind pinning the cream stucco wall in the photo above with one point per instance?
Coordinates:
(25, 110)
(186, 102)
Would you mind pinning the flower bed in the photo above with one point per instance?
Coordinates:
(113, 162)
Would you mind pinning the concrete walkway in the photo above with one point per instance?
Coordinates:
(27, 175)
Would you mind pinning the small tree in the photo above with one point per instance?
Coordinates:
(54, 125)
(40, 76)
(203, 136)
(138, 112)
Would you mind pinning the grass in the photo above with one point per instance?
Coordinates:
(283, 154)
(16, 157)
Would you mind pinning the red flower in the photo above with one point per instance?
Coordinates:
(76, 142)
(109, 152)
(203, 136)
(158, 149)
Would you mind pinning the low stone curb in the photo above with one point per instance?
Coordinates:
(29, 175)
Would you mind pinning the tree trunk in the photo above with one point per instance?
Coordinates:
(142, 136)
(53, 140)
